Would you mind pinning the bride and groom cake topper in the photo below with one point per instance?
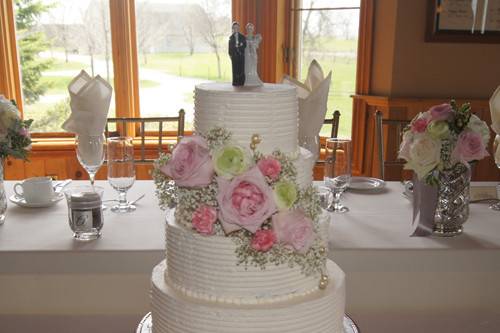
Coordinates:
(243, 53)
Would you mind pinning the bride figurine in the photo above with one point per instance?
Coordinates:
(253, 41)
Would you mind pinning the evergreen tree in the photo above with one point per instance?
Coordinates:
(30, 43)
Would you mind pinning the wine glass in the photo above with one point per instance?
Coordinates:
(121, 170)
(338, 170)
(90, 151)
(496, 145)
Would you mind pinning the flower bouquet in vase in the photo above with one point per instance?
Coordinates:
(439, 146)
(15, 141)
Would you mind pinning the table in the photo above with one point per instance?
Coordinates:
(395, 283)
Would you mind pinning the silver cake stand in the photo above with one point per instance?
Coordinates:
(145, 326)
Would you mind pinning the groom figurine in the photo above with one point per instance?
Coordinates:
(237, 45)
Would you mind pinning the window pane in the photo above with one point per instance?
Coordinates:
(180, 44)
(331, 37)
(57, 39)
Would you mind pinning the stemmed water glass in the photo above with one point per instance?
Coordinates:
(338, 170)
(90, 151)
(121, 170)
(496, 145)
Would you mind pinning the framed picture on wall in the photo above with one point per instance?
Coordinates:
(463, 21)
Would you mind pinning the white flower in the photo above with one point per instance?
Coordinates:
(424, 155)
(479, 126)
(404, 150)
(8, 114)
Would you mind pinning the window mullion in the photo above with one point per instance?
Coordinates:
(126, 75)
(10, 83)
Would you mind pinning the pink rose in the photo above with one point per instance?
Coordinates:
(294, 229)
(263, 240)
(419, 125)
(245, 202)
(469, 147)
(23, 131)
(270, 167)
(190, 164)
(203, 219)
(441, 112)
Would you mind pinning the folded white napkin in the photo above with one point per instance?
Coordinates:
(495, 118)
(313, 96)
(90, 98)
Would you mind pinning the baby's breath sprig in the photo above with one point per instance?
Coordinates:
(217, 137)
(308, 201)
(165, 187)
(288, 170)
(190, 199)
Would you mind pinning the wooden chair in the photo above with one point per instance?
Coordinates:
(123, 128)
(334, 121)
(395, 128)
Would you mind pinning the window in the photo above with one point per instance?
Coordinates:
(329, 34)
(180, 44)
(57, 39)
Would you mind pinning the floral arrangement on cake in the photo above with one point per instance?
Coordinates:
(15, 139)
(220, 188)
(441, 138)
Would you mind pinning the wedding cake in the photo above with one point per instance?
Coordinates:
(246, 247)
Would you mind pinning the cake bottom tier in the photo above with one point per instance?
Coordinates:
(320, 312)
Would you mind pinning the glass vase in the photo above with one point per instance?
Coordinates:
(452, 208)
(3, 196)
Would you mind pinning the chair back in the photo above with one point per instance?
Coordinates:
(395, 129)
(334, 121)
(139, 126)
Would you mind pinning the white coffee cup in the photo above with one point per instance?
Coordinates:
(36, 190)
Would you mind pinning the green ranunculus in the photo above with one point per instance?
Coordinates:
(438, 130)
(285, 194)
(231, 160)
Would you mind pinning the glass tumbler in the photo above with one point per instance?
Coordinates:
(85, 211)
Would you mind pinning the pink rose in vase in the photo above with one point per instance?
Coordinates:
(441, 112)
(263, 240)
(419, 125)
(245, 202)
(270, 167)
(203, 219)
(190, 164)
(469, 147)
(294, 229)
(23, 131)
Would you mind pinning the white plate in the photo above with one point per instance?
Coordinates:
(366, 184)
(22, 202)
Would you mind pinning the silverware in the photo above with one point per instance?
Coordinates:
(130, 203)
(487, 200)
(61, 185)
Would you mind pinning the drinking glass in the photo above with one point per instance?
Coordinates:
(338, 170)
(121, 171)
(90, 150)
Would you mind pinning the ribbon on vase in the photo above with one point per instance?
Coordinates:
(424, 207)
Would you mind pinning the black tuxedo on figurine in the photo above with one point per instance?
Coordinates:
(237, 45)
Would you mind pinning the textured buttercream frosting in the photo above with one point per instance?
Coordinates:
(270, 110)
(206, 267)
(320, 312)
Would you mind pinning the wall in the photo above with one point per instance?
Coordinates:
(404, 65)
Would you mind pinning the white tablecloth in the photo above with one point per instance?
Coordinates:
(395, 283)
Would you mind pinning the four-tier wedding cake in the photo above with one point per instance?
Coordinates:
(246, 243)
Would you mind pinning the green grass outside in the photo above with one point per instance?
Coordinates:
(59, 84)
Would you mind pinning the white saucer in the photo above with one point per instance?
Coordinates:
(366, 184)
(22, 202)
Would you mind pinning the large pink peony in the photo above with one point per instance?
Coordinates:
(294, 229)
(469, 147)
(270, 167)
(203, 219)
(245, 202)
(441, 112)
(190, 164)
(263, 240)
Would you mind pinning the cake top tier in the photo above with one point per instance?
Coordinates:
(267, 88)
(270, 110)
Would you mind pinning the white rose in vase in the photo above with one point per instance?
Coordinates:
(424, 155)
(8, 116)
(479, 126)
